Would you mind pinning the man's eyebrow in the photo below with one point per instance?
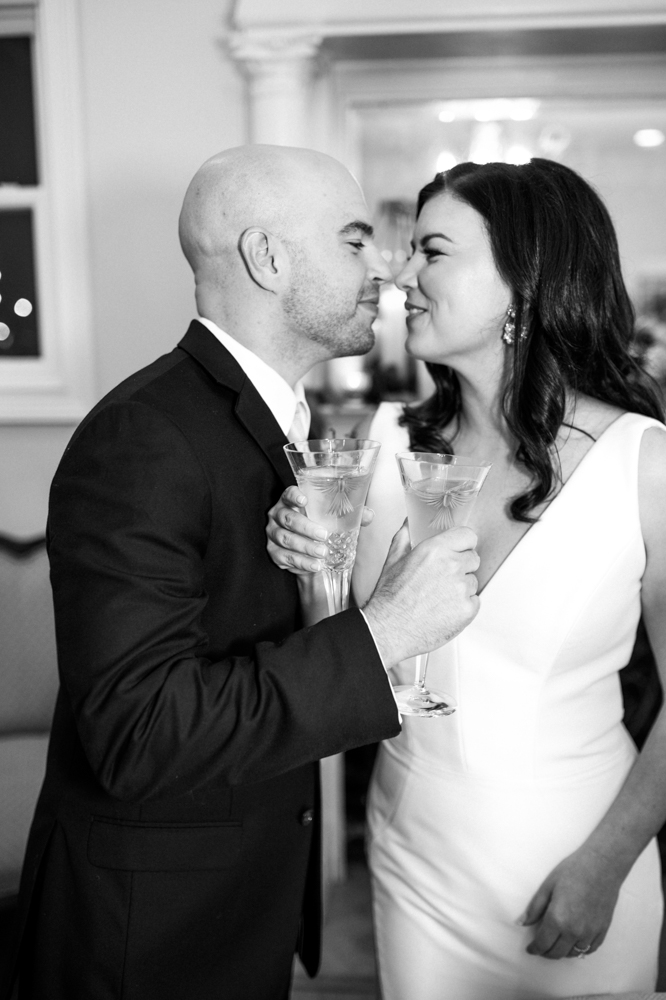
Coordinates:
(357, 227)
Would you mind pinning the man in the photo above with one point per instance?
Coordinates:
(175, 847)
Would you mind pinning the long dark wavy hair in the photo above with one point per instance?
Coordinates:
(555, 247)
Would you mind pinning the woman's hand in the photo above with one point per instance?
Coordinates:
(294, 541)
(573, 908)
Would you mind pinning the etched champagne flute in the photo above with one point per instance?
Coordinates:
(440, 491)
(334, 476)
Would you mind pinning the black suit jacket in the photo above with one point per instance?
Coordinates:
(172, 852)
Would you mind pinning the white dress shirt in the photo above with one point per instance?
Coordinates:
(284, 402)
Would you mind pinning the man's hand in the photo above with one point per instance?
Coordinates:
(296, 543)
(425, 596)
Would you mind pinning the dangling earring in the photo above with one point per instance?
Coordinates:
(509, 329)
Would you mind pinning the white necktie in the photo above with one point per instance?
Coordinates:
(300, 426)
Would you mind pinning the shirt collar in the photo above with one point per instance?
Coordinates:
(276, 393)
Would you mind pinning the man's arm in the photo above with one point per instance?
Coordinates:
(423, 597)
(129, 525)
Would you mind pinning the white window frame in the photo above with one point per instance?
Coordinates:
(56, 386)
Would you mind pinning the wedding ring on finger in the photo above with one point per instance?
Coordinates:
(581, 952)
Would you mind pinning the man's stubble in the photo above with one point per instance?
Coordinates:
(326, 314)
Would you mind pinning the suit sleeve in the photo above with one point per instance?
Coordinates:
(129, 520)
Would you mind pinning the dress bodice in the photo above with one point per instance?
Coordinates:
(536, 673)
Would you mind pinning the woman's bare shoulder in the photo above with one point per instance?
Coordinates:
(652, 462)
(652, 511)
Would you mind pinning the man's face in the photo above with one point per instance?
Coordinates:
(336, 271)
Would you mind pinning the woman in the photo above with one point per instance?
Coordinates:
(520, 830)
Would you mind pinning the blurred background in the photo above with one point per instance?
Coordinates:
(107, 110)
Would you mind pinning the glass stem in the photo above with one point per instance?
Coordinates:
(337, 590)
(421, 665)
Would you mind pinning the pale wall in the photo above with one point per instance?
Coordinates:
(161, 95)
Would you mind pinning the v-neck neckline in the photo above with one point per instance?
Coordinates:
(550, 503)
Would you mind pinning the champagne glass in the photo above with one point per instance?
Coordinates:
(440, 491)
(334, 476)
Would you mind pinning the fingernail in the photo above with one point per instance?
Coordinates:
(315, 566)
(301, 499)
(320, 550)
(321, 533)
(370, 509)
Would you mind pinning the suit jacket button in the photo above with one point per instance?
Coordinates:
(306, 817)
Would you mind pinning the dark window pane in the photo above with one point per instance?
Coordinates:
(18, 156)
(19, 330)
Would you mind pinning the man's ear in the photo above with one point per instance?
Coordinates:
(264, 257)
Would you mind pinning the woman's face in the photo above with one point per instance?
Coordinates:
(456, 300)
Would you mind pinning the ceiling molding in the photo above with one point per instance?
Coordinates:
(387, 17)
(373, 82)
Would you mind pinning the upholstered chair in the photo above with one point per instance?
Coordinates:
(28, 687)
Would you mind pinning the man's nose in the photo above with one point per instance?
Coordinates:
(378, 269)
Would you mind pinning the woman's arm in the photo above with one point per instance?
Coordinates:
(575, 904)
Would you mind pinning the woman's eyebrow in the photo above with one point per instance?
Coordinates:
(432, 236)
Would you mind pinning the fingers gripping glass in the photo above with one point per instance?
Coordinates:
(334, 476)
(440, 492)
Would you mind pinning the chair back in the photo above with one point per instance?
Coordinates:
(28, 689)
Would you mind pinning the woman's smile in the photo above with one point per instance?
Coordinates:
(413, 310)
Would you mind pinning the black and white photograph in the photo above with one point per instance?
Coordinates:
(332, 499)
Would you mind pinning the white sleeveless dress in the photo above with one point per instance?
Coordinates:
(468, 814)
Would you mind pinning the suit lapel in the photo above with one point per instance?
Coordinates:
(264, 428)
(251, 410)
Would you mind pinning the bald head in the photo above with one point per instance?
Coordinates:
(280, 243)
(271, 187)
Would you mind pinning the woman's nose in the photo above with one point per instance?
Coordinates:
(406, 278)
